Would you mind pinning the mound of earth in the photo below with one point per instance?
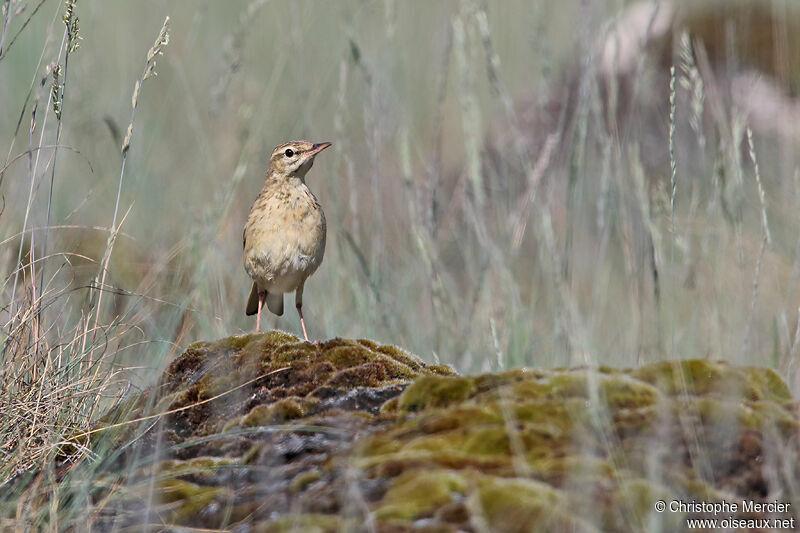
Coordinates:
(267, 433)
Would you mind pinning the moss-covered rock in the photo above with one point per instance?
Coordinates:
(284, 435)
(419, 494)
(280, 411)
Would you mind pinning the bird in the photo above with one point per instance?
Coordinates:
(284, 237)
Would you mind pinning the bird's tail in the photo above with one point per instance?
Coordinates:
(252, 302)
(274, 302)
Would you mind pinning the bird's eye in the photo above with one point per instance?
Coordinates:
(288, 152)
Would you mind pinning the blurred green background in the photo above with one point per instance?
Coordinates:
(499, 191)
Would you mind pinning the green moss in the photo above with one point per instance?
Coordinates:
(491, 440)
(622, 392)
(771, 414)
(277, 337)
(280, 411)
(218, 383)
(238, 342)
(390, 407)
(436, 391)
(692, 376)
(232, 424)
(401, 356)
(252, 455)
(345, 354)
(372, 345)
(197, 346)
(732, 414)
(633, 508)
(562, 414)
(349, 355)
(700, 377)
(191, 497)
(770, 384)
(191, 364)
(520, 505)
(378, 445)
(489, 382)
(285, 354)
(307, 523)
(442, 370)
(302, 480)
(231, 345)
(419, 493)
(578, 469)
(203, 469)
(616, 390)
(460, 416)
(535, 442)
(371, 374)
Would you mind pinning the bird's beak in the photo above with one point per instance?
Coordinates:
(317, 148)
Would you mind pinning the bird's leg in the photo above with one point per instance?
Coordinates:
(261, 296)
(298, 303)
(302, 322)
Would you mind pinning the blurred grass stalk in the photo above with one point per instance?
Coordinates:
(55, 381)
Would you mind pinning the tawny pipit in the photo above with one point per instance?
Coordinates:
(284, 238)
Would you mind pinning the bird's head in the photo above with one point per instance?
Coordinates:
(294, 158)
